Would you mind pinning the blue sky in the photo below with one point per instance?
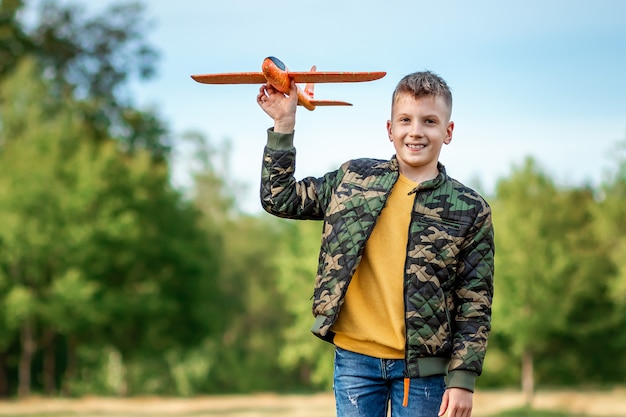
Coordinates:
(530, 78)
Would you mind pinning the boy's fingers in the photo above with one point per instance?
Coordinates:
(444, 404)
(293, 93)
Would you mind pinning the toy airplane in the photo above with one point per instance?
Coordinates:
(275, 73)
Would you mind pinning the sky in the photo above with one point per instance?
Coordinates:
(538, 78)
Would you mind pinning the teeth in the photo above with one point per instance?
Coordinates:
(416, 146)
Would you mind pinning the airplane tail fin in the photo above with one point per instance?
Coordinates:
(309, 92)
(308, 89)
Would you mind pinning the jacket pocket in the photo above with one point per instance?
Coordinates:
(452, 227)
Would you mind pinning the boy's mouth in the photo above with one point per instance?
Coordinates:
(415, 146)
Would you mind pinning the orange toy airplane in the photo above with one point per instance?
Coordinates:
(275, 73)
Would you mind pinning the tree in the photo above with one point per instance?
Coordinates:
(610, 229)
(95, 242)
(123, 236)
(611, 220)
(13, 40)
(251, 308)
(545, 257)
(36, 242)
(90, 59)
(310, 357)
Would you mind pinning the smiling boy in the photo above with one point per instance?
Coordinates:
(405, 280)
(418, 128)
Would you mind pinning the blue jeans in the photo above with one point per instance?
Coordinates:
(365, 387)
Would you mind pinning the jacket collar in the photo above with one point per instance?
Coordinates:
(430, 184)
(437, 181)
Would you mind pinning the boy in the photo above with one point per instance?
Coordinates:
(405, 279)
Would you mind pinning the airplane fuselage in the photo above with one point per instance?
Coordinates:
(276, 74)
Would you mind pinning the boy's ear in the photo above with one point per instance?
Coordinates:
(389, 130)
(449, 130)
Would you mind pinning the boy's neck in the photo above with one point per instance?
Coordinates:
(420, 175)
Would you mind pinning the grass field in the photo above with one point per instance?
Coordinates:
(487, 403)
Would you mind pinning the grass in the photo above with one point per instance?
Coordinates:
(487, 404)
(527, 412)
(518, 412)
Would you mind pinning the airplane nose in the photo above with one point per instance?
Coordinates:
(277, 62)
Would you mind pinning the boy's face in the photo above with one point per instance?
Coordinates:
(418, 129)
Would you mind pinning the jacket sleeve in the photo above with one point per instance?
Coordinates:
(473, 300)
(281, 194)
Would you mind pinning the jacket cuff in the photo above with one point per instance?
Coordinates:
(279, 141)
(461, 379)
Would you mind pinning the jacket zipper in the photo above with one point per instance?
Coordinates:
(452, 225)
(407, 379)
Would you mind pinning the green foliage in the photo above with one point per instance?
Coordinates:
(13, 40)
(610, 222)
(310, 357)
(95, 54)
(91, 59)
(94, 241)
(553, 282)
(533, 266)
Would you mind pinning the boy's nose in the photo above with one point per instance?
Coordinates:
(416, 130)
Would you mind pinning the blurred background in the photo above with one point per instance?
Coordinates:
(135, 258)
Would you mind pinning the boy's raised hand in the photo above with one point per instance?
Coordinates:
(280, 107)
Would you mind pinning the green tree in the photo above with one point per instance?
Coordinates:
(92, 59)
(251, 308)
(13, 40)
(96, 245)
(611, 220)
(310, 358)
(545, 258)
(610, 229)
(95, 232)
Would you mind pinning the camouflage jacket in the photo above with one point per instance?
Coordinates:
(448, 281)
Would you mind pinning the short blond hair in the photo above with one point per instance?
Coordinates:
(422, 84)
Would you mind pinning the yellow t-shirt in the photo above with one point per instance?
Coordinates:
(371, 320)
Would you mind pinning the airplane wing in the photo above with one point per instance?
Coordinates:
(329, 103)
(231, 78)
(334, 77)
(299, 77)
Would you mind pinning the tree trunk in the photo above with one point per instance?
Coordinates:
(70, 369)
(4, 380)
(528, 378)
(49, 362)
(26, 358)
